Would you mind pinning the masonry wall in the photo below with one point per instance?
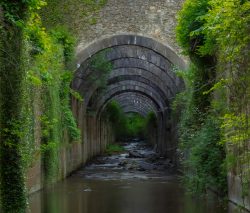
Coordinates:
(151, 18)
(155, 19)
(72, 155)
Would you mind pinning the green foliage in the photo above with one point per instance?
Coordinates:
(227, 19)
(117, 117)
(215, 34)
(199, 139)
(100, 69)
(35, 93)
(12, 75)
(191, 37)
(48, 68)
(114, 148)
(190, 23)
(63, 37)
(236, 137)
(12, 185)
(205, 160)
(75, 15)
(135, 125)
(70, 123)
(130, 125)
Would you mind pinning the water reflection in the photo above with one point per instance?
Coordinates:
(124, 183)
(95, 196)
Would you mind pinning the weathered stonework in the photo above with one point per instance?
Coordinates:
(154, 19)
(141, 37)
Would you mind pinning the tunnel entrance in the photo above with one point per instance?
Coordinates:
(135, 72)
(129, 125)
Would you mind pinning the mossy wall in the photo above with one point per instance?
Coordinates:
(214, 128)
(40, 139)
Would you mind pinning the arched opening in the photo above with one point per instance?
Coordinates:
(141, 80)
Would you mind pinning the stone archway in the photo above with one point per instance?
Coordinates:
(143, 71)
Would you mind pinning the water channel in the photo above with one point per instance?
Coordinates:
(135, 181)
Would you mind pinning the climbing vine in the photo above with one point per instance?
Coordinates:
(202, 155)
(35, 110)
(12, 187)
(76, 15)
(48, 72)
(218, 32)
(100, 68)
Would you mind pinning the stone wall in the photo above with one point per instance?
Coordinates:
(154, 19)
(72, 155)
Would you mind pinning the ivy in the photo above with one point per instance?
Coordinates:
(100, 68)
(12, 75)
(189, 24)
(63, 37)
(74, 15)
(34, 93)
(237, 133)
(215, 34)
(228, 24)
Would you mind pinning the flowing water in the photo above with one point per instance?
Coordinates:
(136, 181)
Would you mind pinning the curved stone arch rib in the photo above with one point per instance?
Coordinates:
(128, 99)
(132, 51)
(131, 107)
(151, 66)
(164, 93)
(160, 109)
(128, 111)
(144, 53)
(135, 99)
(147, 107)
(131, 97)
(133, 62)
(138, 71)
(143, 110)
(135, 85)
(94, 87)
(138, 103)
(131, 110)
(122, 39)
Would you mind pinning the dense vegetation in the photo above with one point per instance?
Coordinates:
(114, 148)
(127, 126)
(75, 15)
(100, 68)
(215, 118)
(35, 75)
(36, 60)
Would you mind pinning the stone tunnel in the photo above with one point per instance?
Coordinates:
(139, 39)
(142, 80)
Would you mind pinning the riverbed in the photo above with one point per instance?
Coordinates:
(134, 181)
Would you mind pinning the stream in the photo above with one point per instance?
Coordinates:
(135, 181)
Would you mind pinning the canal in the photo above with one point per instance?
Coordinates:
(134, 181)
